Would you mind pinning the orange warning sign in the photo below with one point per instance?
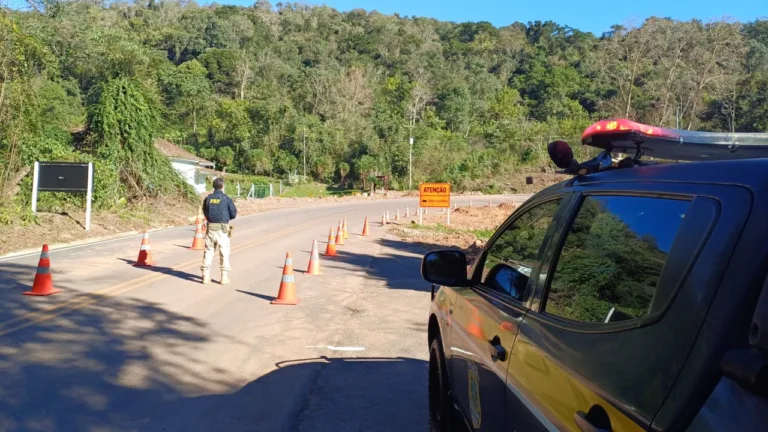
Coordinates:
(435, 195)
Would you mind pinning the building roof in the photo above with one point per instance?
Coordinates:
(173, 151)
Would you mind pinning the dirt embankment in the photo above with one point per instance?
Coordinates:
(470, 228)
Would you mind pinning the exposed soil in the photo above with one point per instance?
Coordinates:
(466, 224)
(66, 227)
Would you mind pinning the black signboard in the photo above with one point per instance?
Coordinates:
(63, 177)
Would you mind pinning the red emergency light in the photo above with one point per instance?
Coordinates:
(636, 139)
(625, 125)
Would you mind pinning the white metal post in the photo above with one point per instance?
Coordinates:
(89, 197)
(448, 222)
(421, 219)
(35, 176)
(238, 190)
(410, 163)
(304, 155)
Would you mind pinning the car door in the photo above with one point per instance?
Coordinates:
(614, 314)
(487, 314)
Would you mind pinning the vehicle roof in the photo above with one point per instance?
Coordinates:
(751, 173)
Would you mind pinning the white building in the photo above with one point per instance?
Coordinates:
(193, 169)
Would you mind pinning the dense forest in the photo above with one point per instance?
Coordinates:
(261, 89)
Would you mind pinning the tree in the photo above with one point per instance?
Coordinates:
(258, 162)
(225, 156)
(255, 80)
(343, 171)
(123, 124)
(188, 90)
(323, 167)
(285, 162)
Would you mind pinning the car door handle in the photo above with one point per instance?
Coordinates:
(498, 353)
(585, 424)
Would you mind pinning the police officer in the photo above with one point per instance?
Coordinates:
(218, 209)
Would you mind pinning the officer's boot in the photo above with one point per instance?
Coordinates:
(206, 276)
(224, 277)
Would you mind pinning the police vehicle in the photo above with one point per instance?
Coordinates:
(631, 297)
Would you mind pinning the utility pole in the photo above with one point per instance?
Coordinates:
(410, 152)
(304, 153)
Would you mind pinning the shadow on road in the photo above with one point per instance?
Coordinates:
(398, 263)
(108, 366)
(257, 295)
(320, 394)
(167, 270)
(14, 280)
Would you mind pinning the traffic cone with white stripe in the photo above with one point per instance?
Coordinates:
(287, 293)
(43, 284)
(330, 250)
(365, 227)
(198, 243)
(314, 260)
(397, 214)
(346, 232)
(145, 252)
(340, 235)
(407, 212)
(383, 219)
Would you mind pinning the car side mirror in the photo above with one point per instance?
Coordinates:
(445, 267)
(561, 154)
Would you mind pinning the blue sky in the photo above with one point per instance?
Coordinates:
(596, 16)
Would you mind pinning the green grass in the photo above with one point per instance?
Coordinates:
(246, 180)
(316, 190)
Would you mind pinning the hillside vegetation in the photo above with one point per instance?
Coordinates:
(261, 89)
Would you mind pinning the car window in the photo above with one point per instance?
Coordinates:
(612, 258)
(512, 256)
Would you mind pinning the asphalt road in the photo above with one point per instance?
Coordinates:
(124, 348)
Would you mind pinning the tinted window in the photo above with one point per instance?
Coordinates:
(513, 255)
(612, 258)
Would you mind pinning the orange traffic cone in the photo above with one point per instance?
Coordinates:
(365, 227)
(346, 233)
(340, 235)
(330, 250)
(197, 242)
(314, 260)
(287, 293)
(43, 284)
(145, 252)
(383, 219)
